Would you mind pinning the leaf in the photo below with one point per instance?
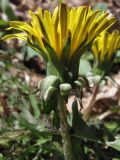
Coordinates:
(34, 104)
(115, 144)
(56, 120)
(5, 6)
(10, 136)
(80, 127)
(27, 120)
(3, 23)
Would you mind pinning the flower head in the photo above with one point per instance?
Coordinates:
(63, 36)
(105, 48)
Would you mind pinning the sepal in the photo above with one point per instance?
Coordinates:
(81, 82)
(65, 89)
(52, 54)
(50, 91)
(48, 86)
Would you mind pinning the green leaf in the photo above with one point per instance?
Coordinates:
(10, 136)
(34, 104)
(115, 144)
(3, 23)
(56, 120)
(5, 6)
(80, 127)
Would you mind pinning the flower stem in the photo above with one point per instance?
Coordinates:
(66, 139)
(89, 107)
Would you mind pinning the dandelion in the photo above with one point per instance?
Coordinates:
(63, 36)
(104, 49)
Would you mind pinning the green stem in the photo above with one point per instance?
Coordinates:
(66, 139)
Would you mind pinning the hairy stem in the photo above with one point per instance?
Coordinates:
(66, 139)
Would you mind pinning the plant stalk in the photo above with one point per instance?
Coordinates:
(64, 127)
(88, 109)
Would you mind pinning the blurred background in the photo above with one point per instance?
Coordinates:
(22, 118)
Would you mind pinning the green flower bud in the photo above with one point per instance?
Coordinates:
(65, 89)
(48, 86)
(48, 94)
(97, 79)
(78, 83)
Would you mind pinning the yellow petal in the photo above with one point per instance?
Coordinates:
(21, 36)
(72, 16)
(98, 20)
(111, 44)
(36, 27)
(103, 46)
(95, 50)
(49, 27)
(56, 34)
(84, 29)
(63, 24)
(105, 25)
(22, 26)
(78, 27)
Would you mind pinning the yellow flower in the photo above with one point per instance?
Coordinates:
(82, 23)
(105, 48)
(105, 45)
(63, 36)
